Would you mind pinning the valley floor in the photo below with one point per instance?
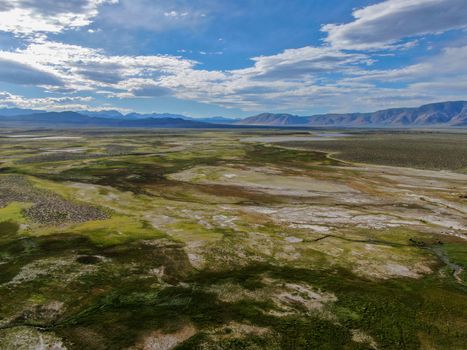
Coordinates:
(178, 239)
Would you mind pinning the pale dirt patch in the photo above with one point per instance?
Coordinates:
(457, 275)
(159, 220)
(224, 221)
(359, 336)
(375, 261)
(318, 216)
(66, 269)
(391, 270)
(19, 136)
(446, 222)
(158, 272)
(196, 260)
(315, 228)
(157, 340)
(25, 338)
(289, 298)
(410, 173)
(399, 270)
(292, 239)
(53, 138)
(274, 139)
(64, 150)
(84, 186)
(122, 202)
(195, 254)
(288, 254)
(48, 312)
(301, 294)
(259, 179)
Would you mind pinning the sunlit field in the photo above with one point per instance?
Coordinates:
(177, 239)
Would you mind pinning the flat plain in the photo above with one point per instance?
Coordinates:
(254, 239)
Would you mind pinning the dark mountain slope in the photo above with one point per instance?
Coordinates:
(73, 119)
(274, 120)
(435, 114)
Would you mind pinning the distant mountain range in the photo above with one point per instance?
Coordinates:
(132, 116)
(273, 119)
(448, 114)
(443, 114)
(74, 119)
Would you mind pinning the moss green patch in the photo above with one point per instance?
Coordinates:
(457, 255)
(193, 231)
(261, 154)
(13, 212)
(116, 230)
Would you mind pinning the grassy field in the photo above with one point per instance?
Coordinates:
(415, 149)
(113, 239)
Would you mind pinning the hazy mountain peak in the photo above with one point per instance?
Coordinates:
(446, 114)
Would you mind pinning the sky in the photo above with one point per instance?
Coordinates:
(232, 58)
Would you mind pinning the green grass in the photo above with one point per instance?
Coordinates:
(457, 254)
(116, 230)
(13, 212)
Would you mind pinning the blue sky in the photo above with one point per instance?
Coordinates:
(231, 58)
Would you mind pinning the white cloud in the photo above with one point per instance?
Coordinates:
(47, 103)
(327, 76)
(448, 66)
(297, 79)
(25, 17)
(386, 23)
(82, 68)
(176, 14)
(306, 61)
(294, 79)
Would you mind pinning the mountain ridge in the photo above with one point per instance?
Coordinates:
(75, 119)
(440, 114)
(450, 113)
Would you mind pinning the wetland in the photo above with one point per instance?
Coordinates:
(230, 239)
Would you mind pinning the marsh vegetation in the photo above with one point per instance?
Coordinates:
(165, 239)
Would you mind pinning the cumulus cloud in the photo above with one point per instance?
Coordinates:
(24, 17)
(328, 76)
(353, 82)
(293, 79)
(386, 23)
(449, 66)
(81, 68)
(305, 61)
(46, 103)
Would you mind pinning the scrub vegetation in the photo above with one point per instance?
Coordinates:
(164, 239)
(414, 149)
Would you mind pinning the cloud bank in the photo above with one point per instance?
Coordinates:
(341, 73)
